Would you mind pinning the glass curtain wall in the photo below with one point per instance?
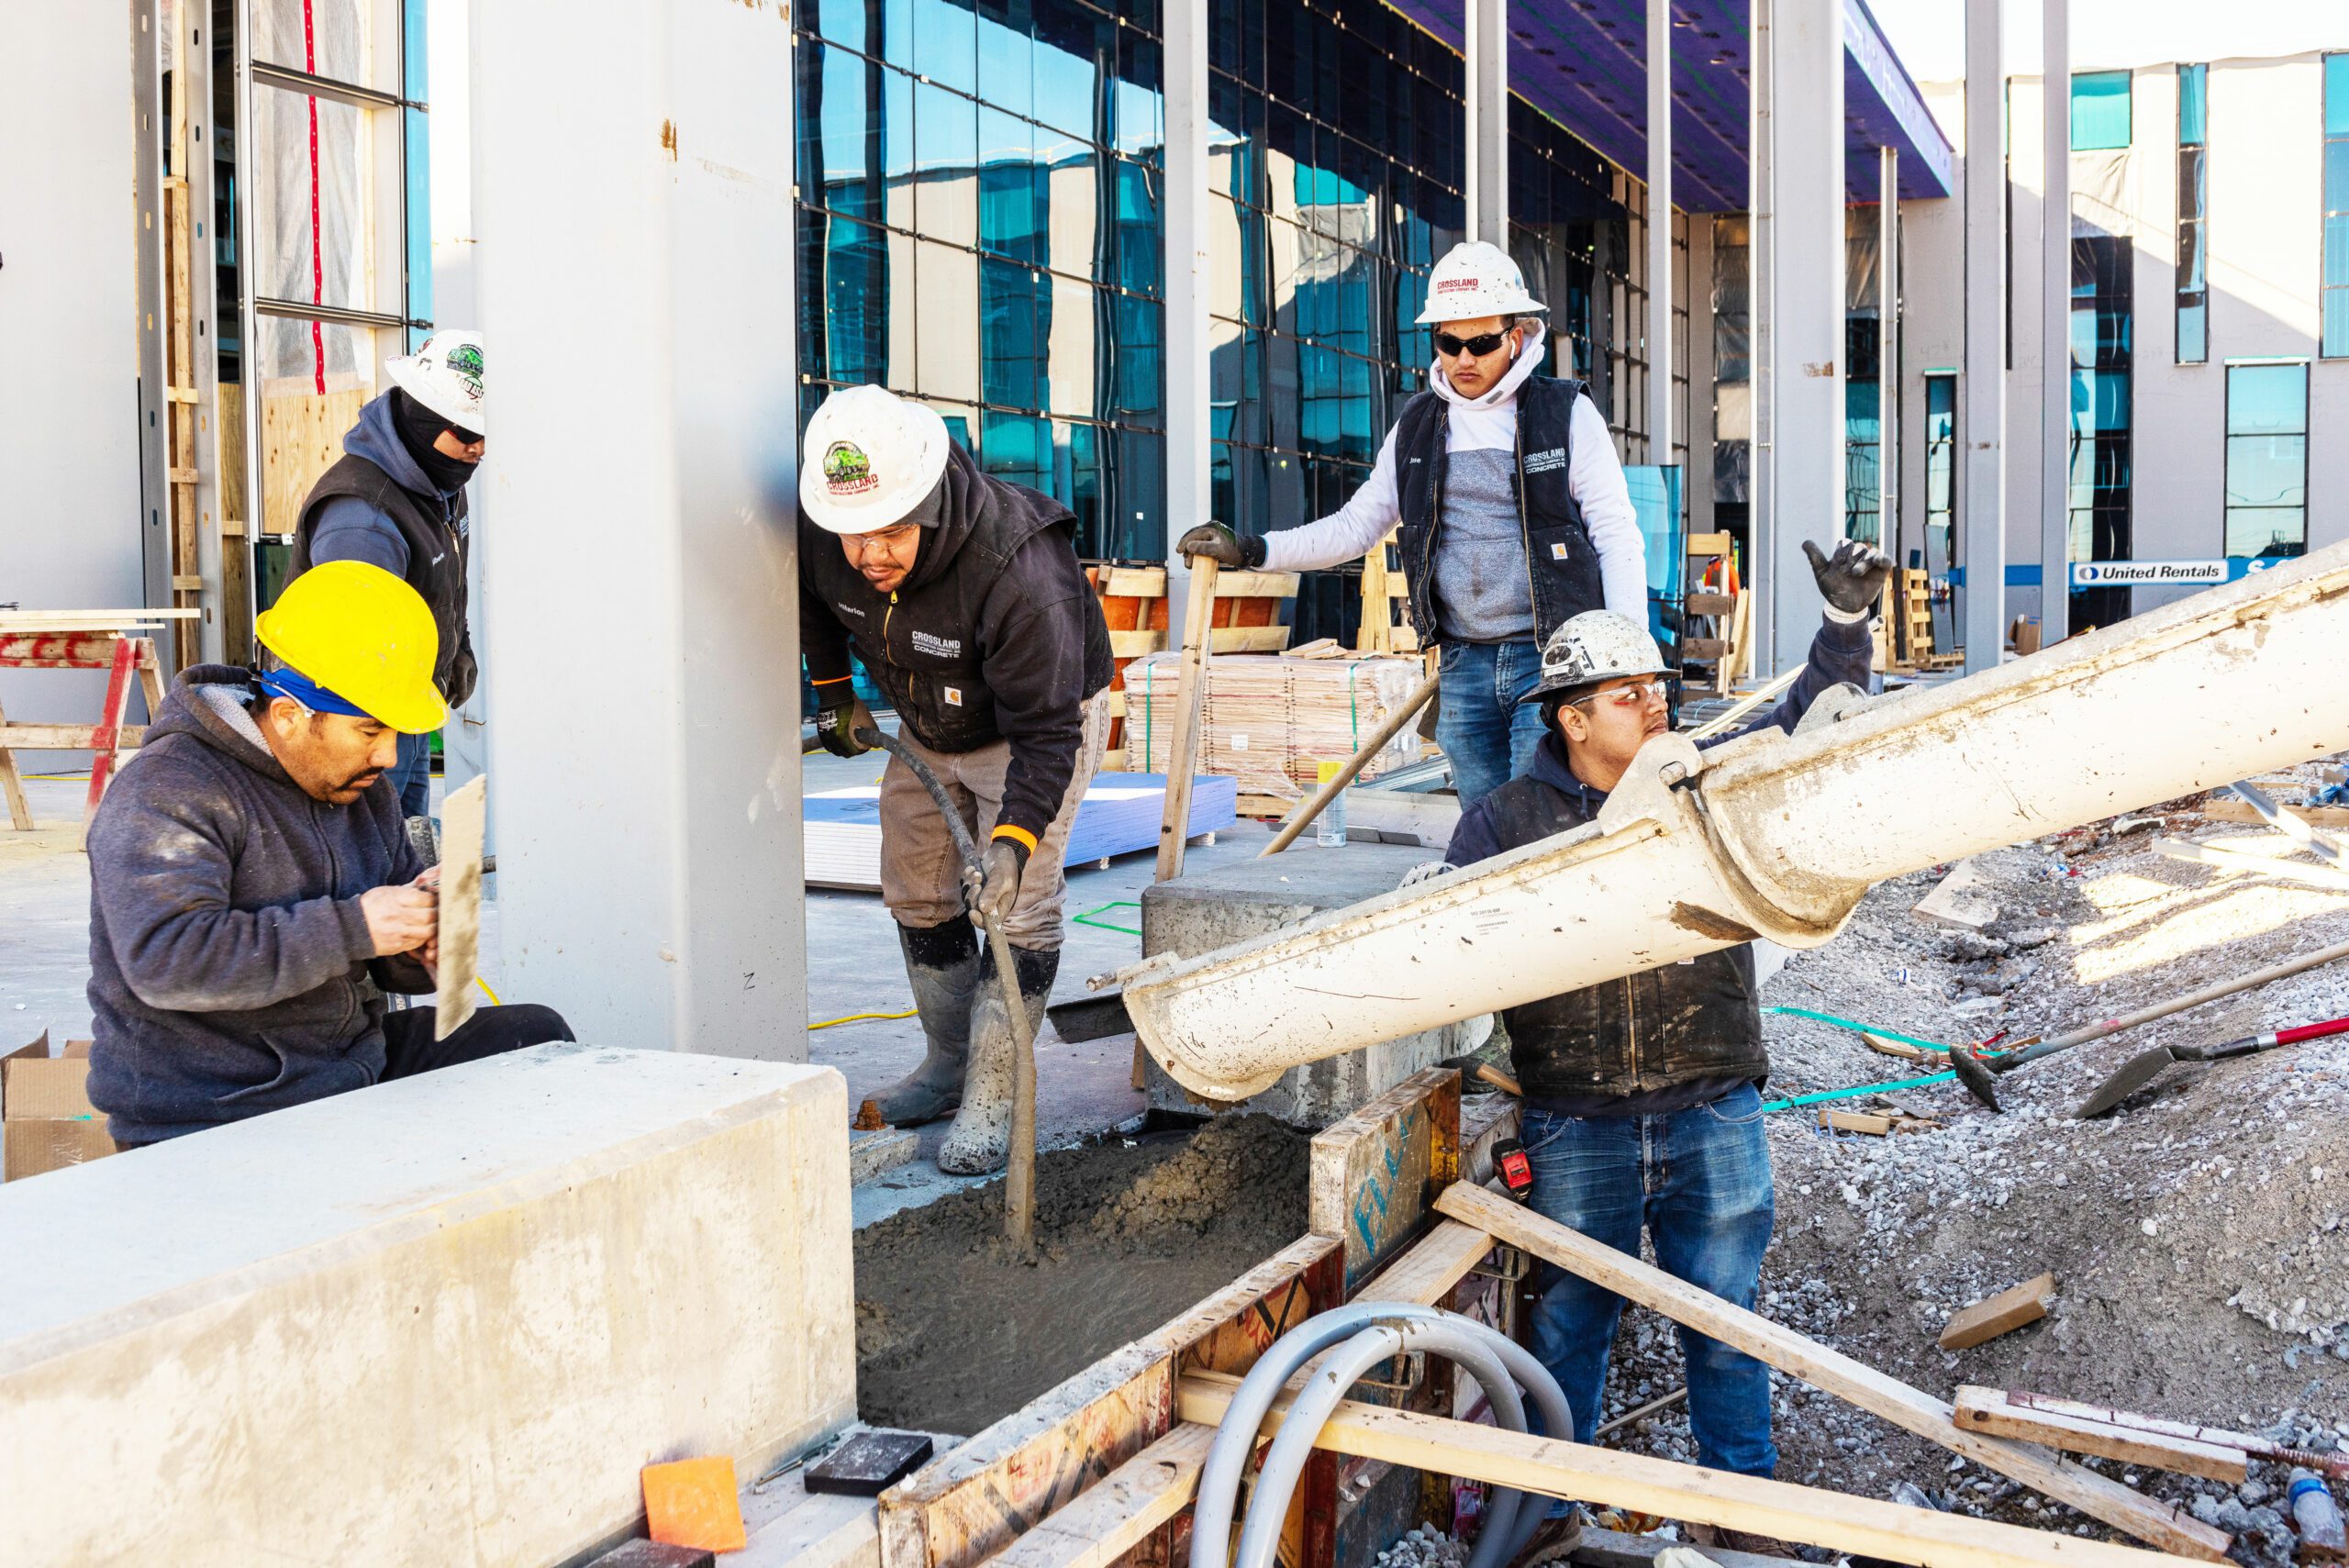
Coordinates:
(979, 227)
(1863, 378)
(2193, 214)
(2334, 342)
(1572, 217)
(2102, 356)
(1941, 476)
(1732, 370)
(2267, 460)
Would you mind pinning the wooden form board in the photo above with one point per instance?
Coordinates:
(1376, 1174)
(2000, 1314)
(972, 1503)
(1990, 1410)
(1875, 1392)
(462, 823)
(1861, 1526)
(1119, 1511)
(301, 438)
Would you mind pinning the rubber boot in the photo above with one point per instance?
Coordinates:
(981, 1136)
(942, 964)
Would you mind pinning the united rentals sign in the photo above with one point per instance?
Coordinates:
(2161, 573)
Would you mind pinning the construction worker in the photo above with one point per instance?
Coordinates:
(1642, 1107)
(964, 598)
(254, 892)
(1513, 511)
(397, 499)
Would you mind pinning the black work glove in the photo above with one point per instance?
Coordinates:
(1852, 579)
(1219, 544)
(999, 881)
(841, 717)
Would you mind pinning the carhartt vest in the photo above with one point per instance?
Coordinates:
(435, 556)
(1560, 563)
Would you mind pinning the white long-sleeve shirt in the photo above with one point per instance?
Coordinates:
(1594, 478)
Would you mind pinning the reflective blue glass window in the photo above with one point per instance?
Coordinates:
(1069, 41)
(2334, 292)
(1069, 328)
(946, 283)
(1137, 119)
(946, 154)
(1006, 55)
(2267, 449)
(1069, 193)
(2193, 104)
(1010, 204)
(1016, 447)
(1011, 336)
(946, 43)
(2101, 118)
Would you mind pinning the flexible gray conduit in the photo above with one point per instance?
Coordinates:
(1366, 1333)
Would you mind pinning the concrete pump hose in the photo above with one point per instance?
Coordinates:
(1474, 1346)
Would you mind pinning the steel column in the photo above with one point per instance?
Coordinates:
(2055, 326)
(1888, 357)
(1761, 291)
(645, 764)
(1982, 547)
(1190, 494)
(1659, 409)
(1485, 24)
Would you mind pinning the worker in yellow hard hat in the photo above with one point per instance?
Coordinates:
(254, 892)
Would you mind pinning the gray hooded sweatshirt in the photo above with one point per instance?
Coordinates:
(228, 959)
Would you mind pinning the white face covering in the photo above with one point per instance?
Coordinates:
(1529, 355)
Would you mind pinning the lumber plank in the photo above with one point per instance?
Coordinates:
(1837, 1520)
(1120, 1508)
(1710, 604)
(1376, 1173)
(1247, 638)
(1135, 582)
(1989, 1410)
(1256, 586)
(2001, 1314)
(1799, 1356)
(65, 737)
(1134, 644)
(463, 826)
(1435, 1263)
(1198, 615)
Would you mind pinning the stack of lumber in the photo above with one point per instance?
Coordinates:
(1270, 720)
(1133, 604)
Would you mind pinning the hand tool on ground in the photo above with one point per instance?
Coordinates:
(1386, 732)
(2314, 839)
(1019, 1170)
(1975, 1072)
(2144, 1068)
(1476, 1068)
(1183, 751)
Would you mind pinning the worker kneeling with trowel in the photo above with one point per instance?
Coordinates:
(963, 597)
(254, 892)
(1643, 1103)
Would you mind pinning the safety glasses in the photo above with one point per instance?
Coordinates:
(1452, 347)
(1626, 697)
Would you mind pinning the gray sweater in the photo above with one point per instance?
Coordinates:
(228, 959)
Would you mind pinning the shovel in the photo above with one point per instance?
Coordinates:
(2143, 1069)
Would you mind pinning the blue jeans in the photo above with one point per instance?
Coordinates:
(1486, 735)
(411, 776)
(1700, 1181)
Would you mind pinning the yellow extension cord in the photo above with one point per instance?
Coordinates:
(853, 1017)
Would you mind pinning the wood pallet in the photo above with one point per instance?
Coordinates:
(1385, 603)
(1133, 604)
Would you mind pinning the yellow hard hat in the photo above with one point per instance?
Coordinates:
(366, 637)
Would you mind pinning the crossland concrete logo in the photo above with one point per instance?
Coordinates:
(847, 471)
(2158, 573)
(937, 647)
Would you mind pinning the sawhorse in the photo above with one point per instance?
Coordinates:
(110, 649)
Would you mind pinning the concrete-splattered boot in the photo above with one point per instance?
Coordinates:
(981, 1136)
(942, 964)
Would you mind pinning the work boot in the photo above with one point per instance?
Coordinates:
(980, 1135)
(942, 964)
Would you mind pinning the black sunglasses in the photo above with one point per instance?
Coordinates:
(1445, 344)
(464, 436)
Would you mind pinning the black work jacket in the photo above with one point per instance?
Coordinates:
(437, 548)
(1560, 563)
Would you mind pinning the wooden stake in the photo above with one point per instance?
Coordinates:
(1198, 618)
(1861, 1526)
(1864, 1385)
(2000, 1314)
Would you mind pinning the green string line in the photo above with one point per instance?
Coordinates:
(1864, 1089)
(1864, 1028)
(1086, 918)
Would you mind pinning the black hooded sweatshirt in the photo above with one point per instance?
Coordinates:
(995, 634)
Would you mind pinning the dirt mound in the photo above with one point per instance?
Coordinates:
(953, 1331)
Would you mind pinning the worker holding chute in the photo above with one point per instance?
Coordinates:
(1514, 514)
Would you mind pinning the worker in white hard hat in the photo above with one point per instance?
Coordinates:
(397, 499)
(1513, 511)
(962, 598)
(1642, 1107)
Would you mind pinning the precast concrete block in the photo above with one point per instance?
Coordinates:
(442, 1321)
(1209, 909)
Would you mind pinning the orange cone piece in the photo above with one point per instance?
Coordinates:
(693, 1502)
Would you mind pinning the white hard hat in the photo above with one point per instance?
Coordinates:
(1475, 279)
(445, 376)
(870, 457)
(1595, 646)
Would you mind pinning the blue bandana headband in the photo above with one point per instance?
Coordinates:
(291, 683)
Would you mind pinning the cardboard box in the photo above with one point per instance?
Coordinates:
(2024, 634)
(45, 1120)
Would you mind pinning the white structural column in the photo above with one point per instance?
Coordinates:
(1659, 410)
(644, 659)
(1807, 304)
(1888, 357)
(1487, 30)
(1189, 486)
(1762, 276)
(2056, 328)
(1982, 540)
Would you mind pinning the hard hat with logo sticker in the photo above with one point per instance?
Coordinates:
(445, 376)
(365, 636)
(1475, 279)
(869, 459)
(1595, 646)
